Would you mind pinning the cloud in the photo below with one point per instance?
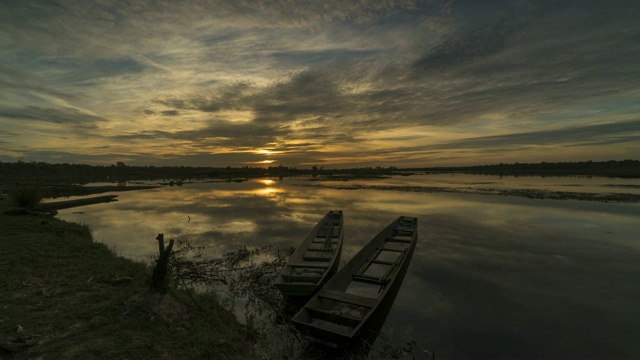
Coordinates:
(240, 136)
(468, 44)
(170, 113)
(611, 133)
(335, 76)
(118, 66)
(63, 116)
(236, 96)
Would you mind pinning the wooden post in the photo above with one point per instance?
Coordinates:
(160, 239)
(159, 277)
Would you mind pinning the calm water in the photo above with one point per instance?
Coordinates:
(492, 276)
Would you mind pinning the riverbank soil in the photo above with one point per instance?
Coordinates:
(63, 296)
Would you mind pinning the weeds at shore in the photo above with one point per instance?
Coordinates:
(243, 281)
(63, 296)
(27, 195)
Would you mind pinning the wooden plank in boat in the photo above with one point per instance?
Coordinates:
(333, 316)
(383, 262)
(316, 258)
(309, 265)
(369, 279)
(348, 298)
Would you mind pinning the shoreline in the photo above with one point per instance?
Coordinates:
(65, 296)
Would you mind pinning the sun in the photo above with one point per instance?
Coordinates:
(267, 152)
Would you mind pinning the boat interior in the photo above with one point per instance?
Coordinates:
(342, 311)
(317, 258)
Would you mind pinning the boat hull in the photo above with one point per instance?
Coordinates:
(300, 289)
(315, 260)
(362, 292)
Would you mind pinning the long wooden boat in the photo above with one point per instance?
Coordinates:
(360, 291)
(315, 260)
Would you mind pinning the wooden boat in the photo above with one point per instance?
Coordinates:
(364, 288)
(315, 260)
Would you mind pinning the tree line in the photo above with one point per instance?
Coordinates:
(612, 168)
(120, 172)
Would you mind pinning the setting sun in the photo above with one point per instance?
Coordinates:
(268, 152)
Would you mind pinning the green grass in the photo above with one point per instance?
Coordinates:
(63, 296)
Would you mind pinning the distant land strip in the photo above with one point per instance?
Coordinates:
(20, 171)
(612, 168)
(526, 193)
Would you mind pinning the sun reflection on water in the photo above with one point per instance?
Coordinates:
(267, 182)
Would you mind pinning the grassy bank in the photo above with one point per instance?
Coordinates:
(64, 296)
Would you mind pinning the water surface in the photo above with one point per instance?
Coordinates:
(492, 276)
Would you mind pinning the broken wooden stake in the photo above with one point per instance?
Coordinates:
(160, 272)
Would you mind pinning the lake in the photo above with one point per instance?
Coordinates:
(491, 276)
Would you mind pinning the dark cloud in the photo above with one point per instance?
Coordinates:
(239, 135)
(170, 113)
(611, 133)
(518, 62)
(306, 94)
(236, 96)
(61, 116)
(522, 62)
(469, 44)
(497, 146)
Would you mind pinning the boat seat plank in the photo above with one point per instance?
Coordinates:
(369, 279)
(348, 298)
(333, 316)
(308, 265)
(320, 250)
(392, 250)
(402, 233)
(327, 327)
(383, 262)
(399, 240)
(317, 258)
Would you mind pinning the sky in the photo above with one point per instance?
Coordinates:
(332, 83)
